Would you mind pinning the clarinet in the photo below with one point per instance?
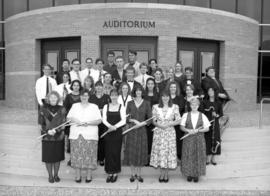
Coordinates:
(215, 144)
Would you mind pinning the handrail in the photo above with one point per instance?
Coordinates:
(261, 106)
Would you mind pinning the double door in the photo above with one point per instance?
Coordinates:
(146, 47)
(199, 54)
(54, 51)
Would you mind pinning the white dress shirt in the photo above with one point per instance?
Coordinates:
(60, 89)
(194, 120)
(93, 73)
(74, 76)
(84, 114)
(121, 123)
(142, 77)
(41, 87)
(136, 66)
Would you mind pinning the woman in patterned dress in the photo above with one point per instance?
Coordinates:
(136, 151)
(194, 123)
(84, 136)
(163, 155)
(53, 144)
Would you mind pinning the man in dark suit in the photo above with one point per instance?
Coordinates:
(119, 75)
(130, 74)
(188, 79)
(110, 67)
(65, 68)
(210, 81)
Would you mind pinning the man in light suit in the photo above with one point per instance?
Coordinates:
(142, 78)
(89, 70)
(132, 59)
(45, 84)
(75, 73)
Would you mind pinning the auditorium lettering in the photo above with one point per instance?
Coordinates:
(129, 24)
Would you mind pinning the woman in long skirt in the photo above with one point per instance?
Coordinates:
(114, 117)
(84, 136)
(136, 152)
(194, 123)
(53, 144)
(163, 155)
(213, 110)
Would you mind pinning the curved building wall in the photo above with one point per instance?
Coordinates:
(238, 36)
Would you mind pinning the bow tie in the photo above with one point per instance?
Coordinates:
(130, 80)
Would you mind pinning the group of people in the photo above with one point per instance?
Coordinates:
(106, 109)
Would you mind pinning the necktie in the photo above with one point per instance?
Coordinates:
(100, 75)
(216, 82)
(47, 86)
(89, 72)
(78, 75)
(143, 80)
(65, 92)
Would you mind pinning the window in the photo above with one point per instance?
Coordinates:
(266, 38)
(266, 13)
(250, 8)
(37, 4)
(226, 5)
(201, 3)
(66, 2)
(13, 7)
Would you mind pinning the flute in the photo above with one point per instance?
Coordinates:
(136, 126)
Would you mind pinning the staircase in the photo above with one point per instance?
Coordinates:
(243, 169)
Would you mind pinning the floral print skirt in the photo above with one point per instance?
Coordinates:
(83, 153)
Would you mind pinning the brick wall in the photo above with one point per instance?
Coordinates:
(238, 36)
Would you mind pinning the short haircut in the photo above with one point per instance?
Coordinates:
(114, 91)
(110, 52)
(98, 83)
(143, 64)
(107, 73)
(119, 57)
(65, 60)
(74, 60)
(188, 69)
(74, 81)
(47, 65)
(136, 88)
(133, 52)
(121, 86)
(195, 100)
(155, 60)
(99, 60)
(208, 68)
(130, 68)
(88, 59)
(47, 99)
(167, 94)
(178, 62)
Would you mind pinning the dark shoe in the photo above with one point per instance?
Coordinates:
(51, 180)
(166, 180)
(189, 178)
(69, 163)
(88, 180)
(213, 162)
(132, 178)
(160, 179)
(114, 179)
(56, 179)
(207, 163)
(139, 178)
(101, 163)
(109, 179)
(78, 180)
(196, 179)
